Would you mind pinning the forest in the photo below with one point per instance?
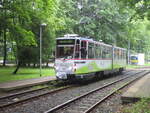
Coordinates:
(124, 23)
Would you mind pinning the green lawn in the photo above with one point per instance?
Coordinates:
(23, 73)
(136, 66)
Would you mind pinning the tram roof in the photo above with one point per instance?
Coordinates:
(75, 36)
(80, 38)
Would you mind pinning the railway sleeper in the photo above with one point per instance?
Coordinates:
(73, 111)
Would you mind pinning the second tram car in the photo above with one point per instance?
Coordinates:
(80, 58)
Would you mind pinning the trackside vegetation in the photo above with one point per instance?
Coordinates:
(137, 66)
(142, 106)
(117, 22)
(24, 73)
(6, 73)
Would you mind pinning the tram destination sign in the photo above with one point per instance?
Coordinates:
(66, 42)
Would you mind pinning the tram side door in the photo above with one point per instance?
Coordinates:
(83, 49)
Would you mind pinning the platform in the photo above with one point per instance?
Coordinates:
(140, 89)
(25, 83)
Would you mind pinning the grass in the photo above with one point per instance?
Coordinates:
(27, 73)
(142, 106)
(1, 58)
(23, 73)
(136, 66)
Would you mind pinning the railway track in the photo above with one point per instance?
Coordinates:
(21, 97)
(16, 98)
(8, 103)
(88, 101)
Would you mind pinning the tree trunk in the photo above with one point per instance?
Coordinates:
(18, 66)
(46, 64)
(5, 48)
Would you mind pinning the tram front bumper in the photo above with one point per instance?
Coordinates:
(61, 75)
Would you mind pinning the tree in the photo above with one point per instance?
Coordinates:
(101, 20)
(22, 20)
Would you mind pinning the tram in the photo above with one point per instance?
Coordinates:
(82, 58)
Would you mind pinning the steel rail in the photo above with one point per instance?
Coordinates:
(113, 92)
(29, 91)
(90, 92)
(23, 92)
(33, 97)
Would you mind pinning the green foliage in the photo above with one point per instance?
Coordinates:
(142, 106)
(113, 21)
(23, 37)
(102, 20)
(140, 6)
(22, 19)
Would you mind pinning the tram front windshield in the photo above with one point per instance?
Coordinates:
(65, 49)
(134, 58)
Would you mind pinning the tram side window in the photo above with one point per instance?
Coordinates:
(97, 51)
(124, 55)
(100, 52)
(109, 52)
(115, 53)
(77, 49)
(103, 52)
(121, 56)
(118, 54)
(91, 50)
(83, 49)
(106, 52)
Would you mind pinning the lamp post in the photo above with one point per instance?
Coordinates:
(41, 26)
(129, 51)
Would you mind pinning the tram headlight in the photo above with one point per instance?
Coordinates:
(70, 68)
(74, 67)
(56, 68)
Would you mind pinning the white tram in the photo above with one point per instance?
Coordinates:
(79, 58)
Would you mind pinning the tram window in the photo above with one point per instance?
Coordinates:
(83, 49)
(108, 52)
(65, 52)
(120, 54)
(124, 55)
(97, 51)
(100, 52)
(83, 44)
(91, 51)
(115, 53)
(78, 42)
(77, 51)
(104, 52)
